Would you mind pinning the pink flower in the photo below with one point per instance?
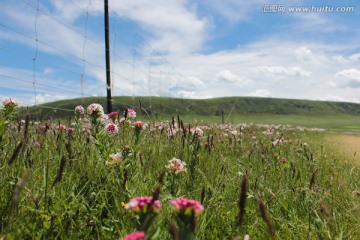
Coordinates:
(115, 158)
(283, 160)
(135, 236)
(124, 121)
(113, 114)
(138, 124)
(70, 129)
(186, 205)
(177, 165)
(9, 102)
(79, 110)
(141, 204)
(172, 132)
(61, 127)
(131, 113)
(37, 144)
(198, 132)
(111, 129)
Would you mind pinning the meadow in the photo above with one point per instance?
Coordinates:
(107, 176)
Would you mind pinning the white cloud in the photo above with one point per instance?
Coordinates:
(175, 28)
(226, 76)
(260, 93)
(355, 57)
(349, 74)
(283, 71)
(233, 10)
(306, 54)
(335, 98)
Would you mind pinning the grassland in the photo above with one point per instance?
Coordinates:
(267, 181)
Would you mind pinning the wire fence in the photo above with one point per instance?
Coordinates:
(50, 56)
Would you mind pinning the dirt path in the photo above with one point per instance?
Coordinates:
(347, 144)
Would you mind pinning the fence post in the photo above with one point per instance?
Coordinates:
(107, 52)
(222, 116)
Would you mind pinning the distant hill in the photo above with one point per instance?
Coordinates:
(213, 106)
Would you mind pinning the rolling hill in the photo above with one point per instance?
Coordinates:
(204, 107)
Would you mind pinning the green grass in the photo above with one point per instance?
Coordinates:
(310, 196)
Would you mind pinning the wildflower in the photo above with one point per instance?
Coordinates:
(9, 102)
(61, 127)
(138, 124)
(79, 110)
(135, 236)
(234, 132)
(95, 109)
(131, 113)
(198, 132)
(141, 204)
(111, 129)
(187, 206)
(70, 129)
(113, 114)
(104, 119)
(276, 142)
(37, 144)
(177, 165)
(283, 160)
(123, 204)
(124, 121)
(115, 158)
(171, 132)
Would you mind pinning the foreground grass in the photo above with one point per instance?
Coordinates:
(56, 184)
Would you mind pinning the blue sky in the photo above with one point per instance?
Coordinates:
(181, 48)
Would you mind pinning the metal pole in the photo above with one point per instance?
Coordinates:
(107, 52)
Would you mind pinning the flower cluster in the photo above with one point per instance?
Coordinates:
(198, 132)
(60, 127)
(131, 113)
(171, 132)
(138, 124)
(177, 165)
(113, 114)
(114, 159)
(95, 109)
(141, 204)
(79, 110)
(187, 206)
(135, 236)
(124, 121)
(9, 102)
(111, 129)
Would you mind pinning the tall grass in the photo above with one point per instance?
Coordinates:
(266, 181)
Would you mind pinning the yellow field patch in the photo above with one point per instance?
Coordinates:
(348, 145)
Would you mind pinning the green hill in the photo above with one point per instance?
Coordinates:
(213, 106)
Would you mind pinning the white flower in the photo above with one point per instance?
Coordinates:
(177, 165)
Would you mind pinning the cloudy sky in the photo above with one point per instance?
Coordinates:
(54, 49)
